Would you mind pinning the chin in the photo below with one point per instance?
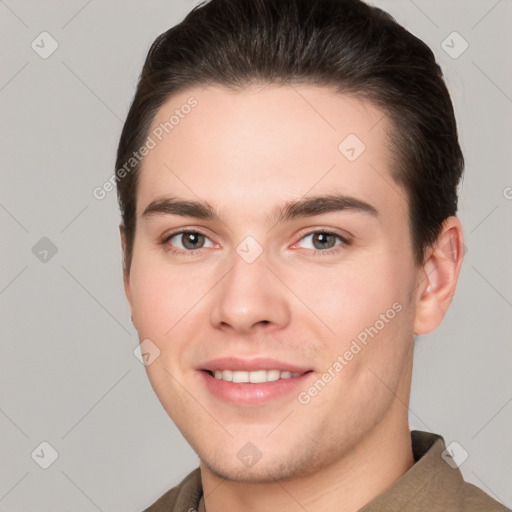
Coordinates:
(265, 470)
(260, 473)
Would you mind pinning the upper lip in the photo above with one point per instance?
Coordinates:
(249, 365)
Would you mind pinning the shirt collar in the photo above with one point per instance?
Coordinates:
(431, 484)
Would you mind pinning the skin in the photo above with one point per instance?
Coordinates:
(244, 153)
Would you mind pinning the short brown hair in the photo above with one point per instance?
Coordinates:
(359, 49)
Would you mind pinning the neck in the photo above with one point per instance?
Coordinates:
(380, 459)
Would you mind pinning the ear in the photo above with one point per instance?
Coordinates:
(438, 277)
(126, 272)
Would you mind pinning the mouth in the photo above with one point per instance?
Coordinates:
(253, 377)
(250, 383)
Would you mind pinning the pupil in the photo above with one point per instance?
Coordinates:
(191, 239)
(322, 238)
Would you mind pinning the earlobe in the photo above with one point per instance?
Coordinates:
(437, 280)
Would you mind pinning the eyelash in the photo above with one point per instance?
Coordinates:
(179, 252)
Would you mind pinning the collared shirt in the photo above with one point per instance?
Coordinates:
(434, 483)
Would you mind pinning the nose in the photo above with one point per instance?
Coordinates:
(248, 298)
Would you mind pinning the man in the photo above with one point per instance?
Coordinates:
(287, 177)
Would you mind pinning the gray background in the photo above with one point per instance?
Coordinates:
(69, 376)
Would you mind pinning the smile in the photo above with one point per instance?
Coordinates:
(254, 377)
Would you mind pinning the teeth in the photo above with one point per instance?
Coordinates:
(255, 377)
(273, 375)
(258, 376)
(240, 376)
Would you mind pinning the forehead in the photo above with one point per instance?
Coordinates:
(243, 149)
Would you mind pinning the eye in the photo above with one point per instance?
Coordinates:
(189, 242)
(325, 242)
(186, 242)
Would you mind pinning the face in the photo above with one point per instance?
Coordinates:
(319, 295)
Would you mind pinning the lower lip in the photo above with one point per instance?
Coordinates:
(249, 394)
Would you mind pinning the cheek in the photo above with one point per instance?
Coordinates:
(367, 311)
(158, 299)
(149, 304)
(352, 297)
(379, 329)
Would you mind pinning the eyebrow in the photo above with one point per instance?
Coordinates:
(307, 207)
